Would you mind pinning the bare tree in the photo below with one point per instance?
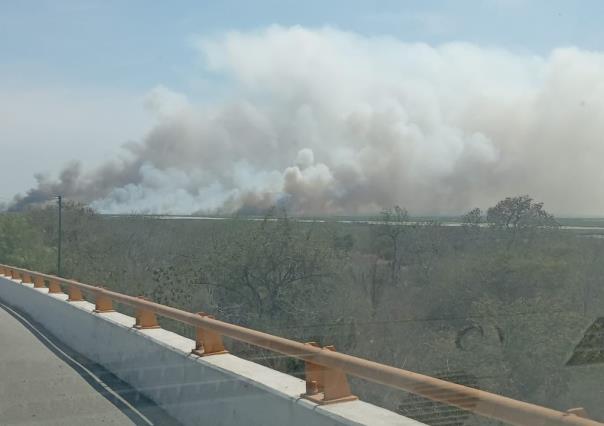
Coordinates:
(473, 219)
(271, 268)
(393, 224)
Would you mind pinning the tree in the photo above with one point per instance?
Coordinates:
(519, 212)
(269, 269)
(369, 274)
(425, 244)
(80, 236)
(22, 244)
(392, 226)
(473, 219)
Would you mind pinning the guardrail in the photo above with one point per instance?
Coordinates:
(326, 369)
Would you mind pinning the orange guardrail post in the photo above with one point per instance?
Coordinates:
(325, 385)
(314, 376)
(54, 287)
(26, 278)
(3, 271)
(208, 342)
(103, 303)
(39, 282)
(145, 319)
(75, 294)
(14, 274)
(335, 384)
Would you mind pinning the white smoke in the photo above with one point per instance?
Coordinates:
(327, 121)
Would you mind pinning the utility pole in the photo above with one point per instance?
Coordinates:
(60, 236)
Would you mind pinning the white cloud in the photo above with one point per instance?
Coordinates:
(165, 102)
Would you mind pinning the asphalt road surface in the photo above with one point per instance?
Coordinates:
(42, 382)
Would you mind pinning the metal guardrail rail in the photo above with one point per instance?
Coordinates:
(326, 369)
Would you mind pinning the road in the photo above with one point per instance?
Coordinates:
(43, 382)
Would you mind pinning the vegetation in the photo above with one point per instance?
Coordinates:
(519, 212)
(498, 303)
(22, 243)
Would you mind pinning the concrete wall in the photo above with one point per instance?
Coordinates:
(213, 390)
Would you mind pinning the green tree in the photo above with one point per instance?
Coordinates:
(22, 244)
(276, 268)
(519, 212)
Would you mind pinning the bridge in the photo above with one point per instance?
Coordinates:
(69, 356)
(43, 381)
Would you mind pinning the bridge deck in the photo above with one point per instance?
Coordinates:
(42, 383)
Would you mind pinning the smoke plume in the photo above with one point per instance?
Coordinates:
(326, 121)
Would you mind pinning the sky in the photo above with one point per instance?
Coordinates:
(77, 78)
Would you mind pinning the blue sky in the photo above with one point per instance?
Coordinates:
(74, 74)
(137, 44)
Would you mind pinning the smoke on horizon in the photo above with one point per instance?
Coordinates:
(326, 121)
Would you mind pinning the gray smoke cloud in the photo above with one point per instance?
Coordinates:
(327, 121)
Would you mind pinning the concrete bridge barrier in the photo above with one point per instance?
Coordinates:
(212, 390)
